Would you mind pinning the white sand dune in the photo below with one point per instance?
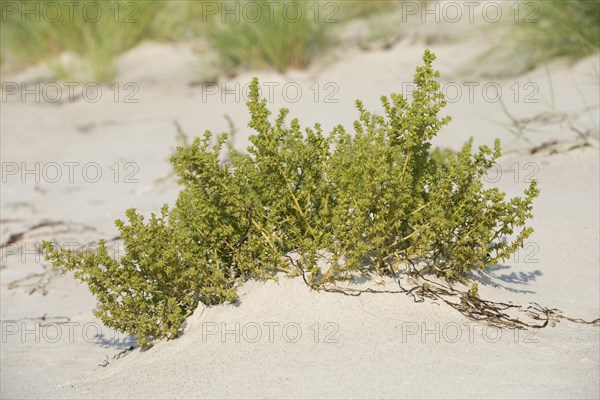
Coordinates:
(366, 346)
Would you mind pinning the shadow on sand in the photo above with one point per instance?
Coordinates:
(495, 277)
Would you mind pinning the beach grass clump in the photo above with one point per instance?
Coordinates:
(565, 29)
(278, 35)
(373, 201)
(547, 30)
(91, 33)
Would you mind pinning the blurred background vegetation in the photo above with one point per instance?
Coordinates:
(548, 30)
(77, 49)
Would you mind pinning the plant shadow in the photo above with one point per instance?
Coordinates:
(115, 341)
(493, 276)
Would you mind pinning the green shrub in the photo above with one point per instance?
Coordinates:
(343, 203)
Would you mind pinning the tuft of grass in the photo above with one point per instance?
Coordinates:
(92, 40)
(182, 19)
(547, 30)
(272, 40)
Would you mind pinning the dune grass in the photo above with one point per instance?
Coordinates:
(272, 41)
(288, 40)
(79, 49)
(279, 39)
(565, 29)
(547, 30)
(93, 40)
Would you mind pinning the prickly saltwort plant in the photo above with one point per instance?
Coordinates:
(371, 201)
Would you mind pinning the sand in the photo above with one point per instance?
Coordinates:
(290, 341)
